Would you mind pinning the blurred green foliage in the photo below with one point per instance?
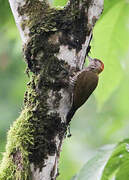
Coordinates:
(104, 118)
(112, 48)
(109, 163)
(93, 168)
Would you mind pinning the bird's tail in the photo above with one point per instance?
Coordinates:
(70, 115)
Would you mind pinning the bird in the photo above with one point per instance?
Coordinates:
(84, 83)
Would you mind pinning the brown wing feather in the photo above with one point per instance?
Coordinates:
(85, 85)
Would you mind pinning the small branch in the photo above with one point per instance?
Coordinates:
(55, 46)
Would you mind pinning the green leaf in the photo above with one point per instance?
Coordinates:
(110, 44)
(111, 162)
(93, 169)
(118, 165)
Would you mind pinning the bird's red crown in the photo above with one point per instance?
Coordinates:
(101, 67)
(96, 65)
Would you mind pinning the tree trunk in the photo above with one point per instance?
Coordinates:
(55, 44)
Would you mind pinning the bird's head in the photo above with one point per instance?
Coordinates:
(96, 65)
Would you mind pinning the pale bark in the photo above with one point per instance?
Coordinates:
(50, 84)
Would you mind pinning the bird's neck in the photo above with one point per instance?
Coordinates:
(93, 68)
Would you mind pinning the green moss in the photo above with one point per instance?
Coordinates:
(36, 11)
(49, 74)
(70, 21)
(15, 163)
(31, 139)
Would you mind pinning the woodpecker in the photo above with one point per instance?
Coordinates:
(84, 83)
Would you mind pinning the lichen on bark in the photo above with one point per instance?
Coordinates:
(48, 75)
